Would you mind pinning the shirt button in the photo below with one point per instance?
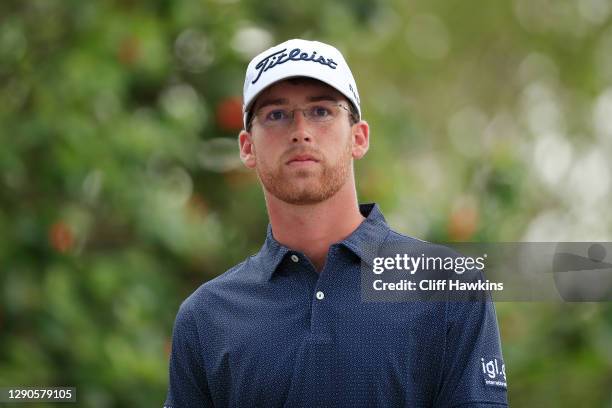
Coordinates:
(295, 258)
(320, 295)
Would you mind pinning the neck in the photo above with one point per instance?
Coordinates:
(312, 229)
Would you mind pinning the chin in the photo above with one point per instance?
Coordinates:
(305, 195)
(302, 173)
(303, 200)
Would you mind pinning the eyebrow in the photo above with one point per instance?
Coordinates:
(285, 101)
(322, 98)
(267, 102)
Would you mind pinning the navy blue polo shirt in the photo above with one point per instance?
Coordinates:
(272, 332)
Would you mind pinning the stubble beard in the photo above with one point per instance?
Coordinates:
(326, 181)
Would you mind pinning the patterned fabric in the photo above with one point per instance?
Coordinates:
(272, 332)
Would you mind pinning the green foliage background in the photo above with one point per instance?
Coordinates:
(121, 190)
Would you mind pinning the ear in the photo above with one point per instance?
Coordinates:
(361, 139)
(247, 149)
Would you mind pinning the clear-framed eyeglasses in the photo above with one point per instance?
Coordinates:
(318, 112)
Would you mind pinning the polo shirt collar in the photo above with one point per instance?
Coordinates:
(271, 254)
(364, 242)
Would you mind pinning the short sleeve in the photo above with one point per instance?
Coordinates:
(187, 383)
(474, 374)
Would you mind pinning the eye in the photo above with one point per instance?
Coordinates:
(276, 115)
(320, 112)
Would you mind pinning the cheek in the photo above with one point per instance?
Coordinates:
(340, 153)
(265, 153)
(346, 147)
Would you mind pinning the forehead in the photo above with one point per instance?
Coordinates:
(296, 90)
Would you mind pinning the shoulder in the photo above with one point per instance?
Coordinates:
(395, 241)
(222, 286)
(432, 261)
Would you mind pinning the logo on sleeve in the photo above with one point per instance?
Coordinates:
(494, 372)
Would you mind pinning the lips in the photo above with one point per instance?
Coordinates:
(302, 158)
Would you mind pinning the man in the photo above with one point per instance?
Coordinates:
(290, 326)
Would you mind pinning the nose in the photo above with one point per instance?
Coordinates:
(300, 131)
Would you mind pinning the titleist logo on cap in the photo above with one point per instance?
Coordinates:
(296, 54)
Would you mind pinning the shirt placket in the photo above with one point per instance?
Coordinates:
(321, 296)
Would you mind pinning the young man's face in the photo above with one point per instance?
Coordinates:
(303, 162)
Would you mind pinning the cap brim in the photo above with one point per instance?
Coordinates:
(248, 107)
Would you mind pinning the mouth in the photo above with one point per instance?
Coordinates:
(302, 159)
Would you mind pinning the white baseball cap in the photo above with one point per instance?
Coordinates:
(298, 58)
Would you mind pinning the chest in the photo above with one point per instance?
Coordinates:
(276, 344)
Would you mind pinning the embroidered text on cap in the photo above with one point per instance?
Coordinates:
(295, 54)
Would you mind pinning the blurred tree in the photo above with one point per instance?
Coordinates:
(121, 190)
